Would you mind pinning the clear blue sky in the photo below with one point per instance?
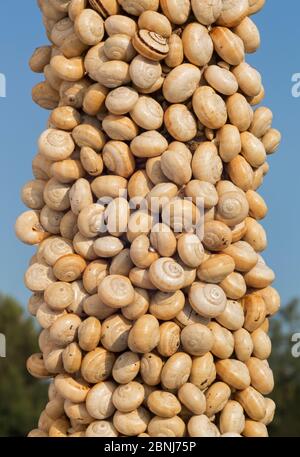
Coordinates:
(21, 122)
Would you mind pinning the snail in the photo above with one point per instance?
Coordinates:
(155, 22)
(121, 100)
(72, 358)
(114, 333)
(56, 144)
(209, 107)
(144, 72)
(126, 368)
(105, 7)
(163, 404)
(166, 274)
(217, 395)
(233, 12)
(180, 122)
(116, 291)
(29, 229)
(177, 12)
(101, 429)
(215, 268)
(139, 306)
(89, 27)
(140, 252)
(150, 45)
(118, 23)
(59, 296)
(201, 426)
(169, 341)
(150, 369)
(196, 339)
(148, 144)
(147, 113)
(232, 418)
(176, 55)
(228, 45)
(117, 156)
(97, 365)
(206, 164)
(144, 335)
(207, 299)
(128, 397)
(113, 73)
(174, 167)
(207, 12)
(234, 373)
(192, 398)
(132, 423)
(223, 345)
(176, 371)
(167, 305)
(221, 79)
(196, 53)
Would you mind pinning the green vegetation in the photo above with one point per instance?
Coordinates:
(22, 397)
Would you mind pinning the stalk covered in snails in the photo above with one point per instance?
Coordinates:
(148, 280)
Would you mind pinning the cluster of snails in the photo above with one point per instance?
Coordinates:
(152, 324)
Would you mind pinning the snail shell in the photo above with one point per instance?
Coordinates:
(46, 317)
(101, 429)
(108, 246)
(148, 144)
(128, 397)
(209, 107)
(206, 164)
(163, 404)
(36, 367)
(71, 389)
(151, 366)
(144, 72)
(45, 96)
(89, 333)
(261, 375)
(121, 264)
(144, 335)
(155, 22)
(38, 277)
(262, 345)
(126, 367)
(233, 12)
(56, 144)
(176, 371)
(180, 122)
(113, 73)
(132, 423)
(94, 99)
(271, 140)
(176, 11)
(91, 161)
(29, 229)
(196, 339)
(72, 357)
(197, 44)
(166, 274)
(192, 398)
(207, 12)
(118, 158)
(239, 111)
(121, 100)
(115, 331)
(217, 396)
(69, 267)
(241, 173)
(40, 58)
(190, 250)
(216, 268)
(97, 365)
(169, 339)
(91, 220)
(64, 330)
(105, 8)
(147, 113)
(232, 208)
(203, 371)
(59, 296)
(109, 186)
(116, 291)
(223, 346)
(175, 167)
(167, 427)
(150, 45)
(176, 55)
(207, 299)
(201, 426)
(252, 402)
(166, 306)
(119, 47)
(229, 46)
(55, 248)
(217, 236)
(249, 34)
(118, 23)
(221, 79)
(232, 419)
(234, 373)
(65, 118)
(89, 27)
(56, 195)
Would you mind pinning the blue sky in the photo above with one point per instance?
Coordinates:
(21, 122)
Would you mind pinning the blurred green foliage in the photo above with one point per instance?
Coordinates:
(286, 370)
(22, 398)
